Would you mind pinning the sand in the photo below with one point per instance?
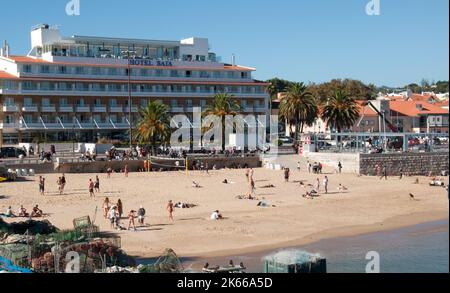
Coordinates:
(369, 205)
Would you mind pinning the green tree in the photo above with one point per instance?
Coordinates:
(340, 111)
(222, 106)
(299, 107)
(154, 125)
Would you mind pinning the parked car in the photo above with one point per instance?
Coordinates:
(12, 152)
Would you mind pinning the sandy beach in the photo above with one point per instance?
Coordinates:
(369, 205)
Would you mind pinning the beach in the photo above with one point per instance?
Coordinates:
(369, 205)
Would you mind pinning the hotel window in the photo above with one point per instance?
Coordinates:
(203, 103)
(27, 85)
(188, 73)
(28, 118)
(79, 70)
(113, 103)
(173, 73)
(9, 119)
(62, 69)
(45, 69)
(217, 74)
(113, 118)
(230, 74)
(63, 102)
(204, 74)
(244, 74)
(96, 71)
(9, 102)
(45, 86)
(80, 102)
(63, 86)
(159, 72)
(144, 103)
(173, 103)
(45, 102)
(144, 72)
(28, 102)
(189, 103)
(27, 68)
(98, 102)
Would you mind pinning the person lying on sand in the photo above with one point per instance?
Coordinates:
(264, 204)
(268, 186)
(311, 195)
(249, 197)
(195, 184)
(180, 205)
(216, 215)
(437, 182)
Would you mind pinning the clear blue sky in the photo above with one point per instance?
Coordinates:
(302, 40)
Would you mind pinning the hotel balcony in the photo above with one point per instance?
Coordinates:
(48, 109)
(103, 124)
(83, 109)
(10, 125)
(134, 109)
(99, 109)
(87, 125)
(176, 109)
(66, 109)
(120, 125)
(10, 108)
(30, 108)
(260, 109)
(115, 109)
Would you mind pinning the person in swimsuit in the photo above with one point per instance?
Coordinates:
(105, 207)
(91, 188)
(119, 208)
(41, 185)
(170, 209)
(131, 217)
(126, 170)
(97, 184)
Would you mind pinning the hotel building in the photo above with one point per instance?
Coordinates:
(77, 87)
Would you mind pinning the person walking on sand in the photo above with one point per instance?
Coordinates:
(58, 182)
(384, 174)
(325, 184)
(287, 173)
(106, 206)
(250, 175)
(120, 208)
(170, 209)
(42, 185)
(131, 217)
(317, 187)
(97, 184)
(247, 175)
(126, 170)
(63, 183)
(401, 173)
(340, 167)
(112, 214)
(308, 165)
(91, 188)
(141, 215)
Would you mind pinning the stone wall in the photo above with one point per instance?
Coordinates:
(411, 163)
(350, 162)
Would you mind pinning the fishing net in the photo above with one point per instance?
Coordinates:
(167, 263)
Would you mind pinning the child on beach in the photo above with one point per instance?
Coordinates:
(91, 188)
(141, 216)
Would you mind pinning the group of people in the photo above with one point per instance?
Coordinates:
(94, 186)
(114, 211)
(36, 212)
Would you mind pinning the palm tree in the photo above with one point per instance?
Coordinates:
(154, 124)
(223, 105)
(299, 107)
(340, 111)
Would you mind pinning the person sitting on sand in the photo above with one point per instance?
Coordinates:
(264, 204)
(225, 181)
(342, 188)
(268, 186)
(436, 182)
(9, 213)
(23, 212)
(36, 213)
(417, 181)
(216, 215)
(195, 184)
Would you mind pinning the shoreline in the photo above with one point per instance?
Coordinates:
(390, 224)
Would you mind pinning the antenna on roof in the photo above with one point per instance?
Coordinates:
(233, 59)
(4, 51)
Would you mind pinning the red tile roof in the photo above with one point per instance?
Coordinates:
(6, 75)
(411, 108)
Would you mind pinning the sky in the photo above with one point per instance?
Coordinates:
(299, 40)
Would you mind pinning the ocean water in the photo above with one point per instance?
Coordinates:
(422, 248)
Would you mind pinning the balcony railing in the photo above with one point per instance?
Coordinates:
(10, 125)
(30, 108)
(48, 108)
(134, 109)
(99, 109)
(66, 109)
(83, 109)
(115, 109)
(10, 108)
(176, 109)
